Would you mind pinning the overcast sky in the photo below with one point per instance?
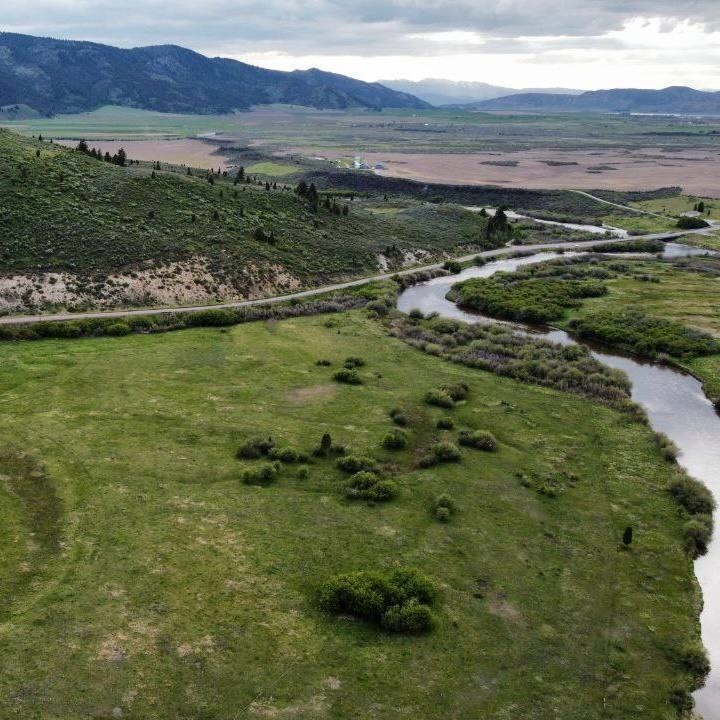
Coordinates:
(574, 43)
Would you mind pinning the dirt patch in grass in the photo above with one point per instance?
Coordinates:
(311, 393)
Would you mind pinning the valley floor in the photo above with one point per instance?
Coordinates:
(145, 580)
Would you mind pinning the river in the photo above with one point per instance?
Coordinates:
(675, 405)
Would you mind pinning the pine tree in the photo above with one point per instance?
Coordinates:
(627, 536)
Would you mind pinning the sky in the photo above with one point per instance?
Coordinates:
(584, 44)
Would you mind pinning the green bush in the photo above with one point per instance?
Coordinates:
(398, 602)
(395, 440)
(288, 455)
(323, 363)
(439, 398)
(457, 392)
(668, 449)
(349, 377)
(692, 495)
(368, 486)
(212, 318)
(694, 659)
(411, 617)
(442, 514)
(427, 461)
(399, 417)
(356, 463)
(446, 452)
(255, 448)
(445, 423)
(479, 439)
(691, 223)
(118, 329)
(696, 535)
(262, 475)
(353, 362)
(303, 472)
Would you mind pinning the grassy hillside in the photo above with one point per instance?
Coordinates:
(150, 582)
(63, 211)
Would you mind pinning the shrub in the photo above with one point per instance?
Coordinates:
(452, 266)
(696, 535)
(446, 452)
(457, 392)
(694, 660)
(303, 472)
(692, 495)
(353, 362)
(416, 314)
(288, 455)
(212, 318)
(442, 514)
(427, 461)
(349, 377)
(118, 329)
(399, 417)
(395, 440)
(323, 363)
(439, 398)
(368, 486)
(480, 440)
(445, 423)
(255, 448)
(356, 463)
(668, 449)
(691, 223)
(263, 475)
(445, 501)
(411, 617)
(398, 602)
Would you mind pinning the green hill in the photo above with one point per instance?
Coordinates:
(172, 237)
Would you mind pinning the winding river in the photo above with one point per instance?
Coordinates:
(675, 405)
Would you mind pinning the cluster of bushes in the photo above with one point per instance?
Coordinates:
(444, 507)
(356, 463)
(698, 503)
(691, 223)
(348, 377)
(166, 322)
(255, 448)
(479, 439)
(667, 447)
(441, 452)
(532, 301)
(398, 602)
(366, 485)
(396, 439)
(498, 349)
(447, 395)
(644, 335)
(630, 246)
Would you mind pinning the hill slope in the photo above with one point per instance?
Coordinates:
(682, 100)
(73, 226)
(61, 76)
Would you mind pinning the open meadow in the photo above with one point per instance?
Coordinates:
(142, 578)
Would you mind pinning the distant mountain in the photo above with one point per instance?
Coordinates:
(61, 76)
(449, 92)
(671, 100)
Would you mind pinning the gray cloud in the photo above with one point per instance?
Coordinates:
(345, 27)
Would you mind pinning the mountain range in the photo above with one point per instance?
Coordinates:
(61, 76)
(671, 100)
(448, 92)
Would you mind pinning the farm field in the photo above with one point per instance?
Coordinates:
(163, 587)
(697, 172)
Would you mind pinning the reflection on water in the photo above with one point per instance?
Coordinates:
(676, 406)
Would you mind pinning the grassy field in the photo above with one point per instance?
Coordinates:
(680, 204)
(436, 130)
(271, 169)
(154, 584)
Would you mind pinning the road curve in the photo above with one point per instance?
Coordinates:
(622, 207)
(57, 317)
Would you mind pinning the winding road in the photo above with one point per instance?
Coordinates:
(30, 319)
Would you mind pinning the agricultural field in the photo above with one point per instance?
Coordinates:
(142, 577)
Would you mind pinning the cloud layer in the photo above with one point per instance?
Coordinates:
(289, 33)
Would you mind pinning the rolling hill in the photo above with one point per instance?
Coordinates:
(60, 76)
(671, 100)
